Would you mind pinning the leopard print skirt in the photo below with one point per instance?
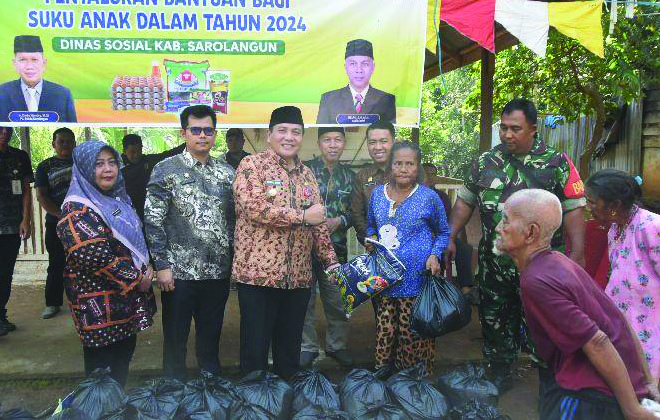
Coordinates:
(396, 344)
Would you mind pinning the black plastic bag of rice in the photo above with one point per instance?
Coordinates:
(475, 410)
(268, 391)
(382, 411)
(208, 393)
(439, 309)
(316, 412)
(15, 414)
(68, 414)
(96, 395)
(361, 388)
(311, 387)
(240, 409)
(416, 395)
(158, 398)
(126, 413)
(201, 415)
(465, 384)
(366, 276)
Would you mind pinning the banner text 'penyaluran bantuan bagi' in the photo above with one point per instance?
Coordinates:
(139, 62)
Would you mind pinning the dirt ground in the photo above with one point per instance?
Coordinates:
(42, 360)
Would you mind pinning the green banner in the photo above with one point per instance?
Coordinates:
(140, 62)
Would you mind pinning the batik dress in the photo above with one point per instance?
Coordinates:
(414, 230)
(634, 284)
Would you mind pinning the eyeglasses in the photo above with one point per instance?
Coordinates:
(196, 131)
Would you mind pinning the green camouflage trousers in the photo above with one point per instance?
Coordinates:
(503, 324)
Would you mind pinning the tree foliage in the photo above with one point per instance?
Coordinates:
(570, 80)
(449, 131)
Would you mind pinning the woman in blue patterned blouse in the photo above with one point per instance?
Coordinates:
(409, 219)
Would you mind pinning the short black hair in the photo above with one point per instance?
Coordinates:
(611, 185)
(197, 111)
(382, 125)
(131, 140)
(526, 106)
(418, 155)
(10, 130)
(235, 132)
(325, 130)
(64, 131)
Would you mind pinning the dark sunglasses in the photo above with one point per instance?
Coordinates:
(196, 131)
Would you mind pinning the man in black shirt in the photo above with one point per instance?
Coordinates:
(235, 141)
(15, 215)
(52, 183)
(137, 168)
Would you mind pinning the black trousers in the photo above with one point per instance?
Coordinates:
(9, 246)
(117, 356)
(56, 262)
(271, 316)
(201, 300)
(556, 403)
(464, 263)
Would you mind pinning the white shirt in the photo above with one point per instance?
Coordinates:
(36, 91)
(355, 92)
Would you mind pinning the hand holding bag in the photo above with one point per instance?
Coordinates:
(439, 309)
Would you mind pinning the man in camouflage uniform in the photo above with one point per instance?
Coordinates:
(521, 161)
(335, 184)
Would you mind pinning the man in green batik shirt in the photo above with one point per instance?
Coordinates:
(335, 183)
(521, 161)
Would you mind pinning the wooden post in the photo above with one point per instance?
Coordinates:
(487, 75)
(414, 134)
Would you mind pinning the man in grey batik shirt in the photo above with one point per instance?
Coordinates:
(189, 222)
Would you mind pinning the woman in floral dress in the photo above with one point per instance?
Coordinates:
(634, 253)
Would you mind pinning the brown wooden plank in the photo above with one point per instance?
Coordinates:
(651, 142)
(486, 122)
(651, 106)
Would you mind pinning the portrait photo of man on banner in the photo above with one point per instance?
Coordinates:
(359, 102)
(31, 98)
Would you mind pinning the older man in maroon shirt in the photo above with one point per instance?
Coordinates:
(594, 365)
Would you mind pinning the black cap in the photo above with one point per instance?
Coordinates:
(130, 140)
(324, 130)
(27, 44)
(359, 47)
(286, 114)
(235, 132)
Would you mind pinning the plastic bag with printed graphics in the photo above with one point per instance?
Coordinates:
(366, 276)
(439, 309)
(416, 395)
(311, 387)
(361, 388)
(467, 383)
(268, 391)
